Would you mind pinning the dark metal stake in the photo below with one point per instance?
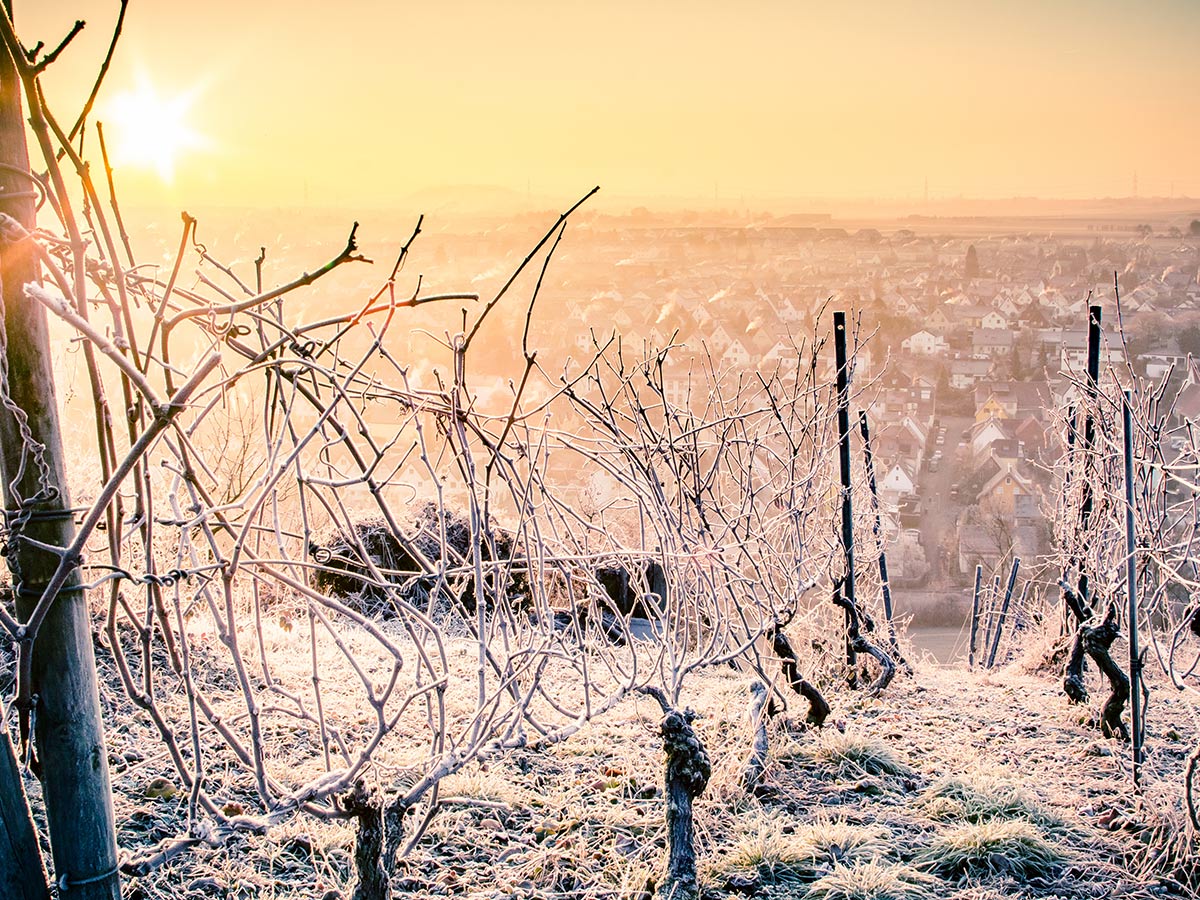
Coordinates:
(974, 617)
(1091, 391)
(843, 429)
(1135, 662)
(1008, 592)
(885, 585)
(989, 616)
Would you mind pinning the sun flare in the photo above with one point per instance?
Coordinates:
(151, 131)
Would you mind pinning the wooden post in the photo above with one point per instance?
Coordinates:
(61, 698)
(974, 617)
(885, 585)
(1008, 592)
(843, 430)
(22, 875)
(1135, 661)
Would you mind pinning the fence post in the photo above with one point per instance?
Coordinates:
(58, 697)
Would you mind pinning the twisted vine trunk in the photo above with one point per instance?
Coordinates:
(376, 840)
(756, 765)
(1073, 683)
(858, 642)
(818, 707)
(1095, 640)
(367, 811)
(1098, 641)
(688, 771)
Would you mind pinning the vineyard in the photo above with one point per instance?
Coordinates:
(314, 629)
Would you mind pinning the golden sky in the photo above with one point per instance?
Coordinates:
(366, 102)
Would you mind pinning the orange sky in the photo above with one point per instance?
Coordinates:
(364, 102)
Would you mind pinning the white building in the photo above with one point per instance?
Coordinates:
(924, 343)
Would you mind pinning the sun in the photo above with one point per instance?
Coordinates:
(151, 131)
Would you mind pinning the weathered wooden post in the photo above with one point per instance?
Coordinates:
(1135, 660)
(22, 875)
(974, 617)
(58, 694)
(1008, 592)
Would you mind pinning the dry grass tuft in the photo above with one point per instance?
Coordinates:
(854, 756)
(1015, 848)
(983, 797)
(873, 880)
(775, 851)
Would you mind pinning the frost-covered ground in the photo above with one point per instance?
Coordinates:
(952, 784)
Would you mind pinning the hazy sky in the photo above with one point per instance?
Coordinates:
(367, 101)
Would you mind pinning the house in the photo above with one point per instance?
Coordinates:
(736, 355)
(994, 320)
(1073, 352)
(984, 434)
(677, 386)
(790, 311)
(1156, 365)
(966, 373)
(991, 342)
(970, 315)
(719, 338)
(1187, 406)
(1031, 318)
(939, 320)
(924, 384)
(1012, 400)
(898, 482)
(902, 305)
(1001, 492)
(924, 343)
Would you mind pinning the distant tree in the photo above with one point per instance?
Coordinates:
(1042, 360)
(1018, 370)
(1136, 345)
(972, 265)
(943, 382)
(1144, 229)
(1189, 340)
(1194, 228)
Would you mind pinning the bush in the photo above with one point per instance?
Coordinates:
(343, 572)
